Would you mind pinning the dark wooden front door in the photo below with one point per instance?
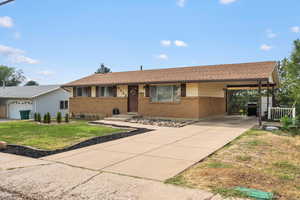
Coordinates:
(133, 96)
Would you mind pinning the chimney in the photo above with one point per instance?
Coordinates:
(141, 67)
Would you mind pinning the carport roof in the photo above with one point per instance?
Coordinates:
(26, 91)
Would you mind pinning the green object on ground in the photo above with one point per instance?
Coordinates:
(256, 194)
(24, 114)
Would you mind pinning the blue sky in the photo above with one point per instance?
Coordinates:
(57, 41)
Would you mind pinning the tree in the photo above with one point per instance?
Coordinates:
(289, 70)
(5, 2)
(11, 76)
(32, 83)
(103, 69)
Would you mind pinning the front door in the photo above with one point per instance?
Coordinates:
(133, 95)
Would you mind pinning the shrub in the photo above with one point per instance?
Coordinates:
(39, 119)
(67, 118)
(35, 117)
(45, 119)
(286, 122)
(58, 117)
(48, 118)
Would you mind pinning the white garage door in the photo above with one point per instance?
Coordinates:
(14, 109)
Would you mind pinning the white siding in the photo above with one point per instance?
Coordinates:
(192, 89)
(50, 102)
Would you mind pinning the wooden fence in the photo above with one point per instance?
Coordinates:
(276, 113)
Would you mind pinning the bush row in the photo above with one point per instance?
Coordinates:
(47, 118)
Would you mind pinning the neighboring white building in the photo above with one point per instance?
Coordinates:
(37, 99)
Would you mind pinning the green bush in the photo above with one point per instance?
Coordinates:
(48, 118)
(45, 119)
(67, 118)
(39, 119)
(35, 117)
(58, 117)
(286, 122)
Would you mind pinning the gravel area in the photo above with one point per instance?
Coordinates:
(162, 122)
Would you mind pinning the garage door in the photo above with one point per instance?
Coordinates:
(14, 109)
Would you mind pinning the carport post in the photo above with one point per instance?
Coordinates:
(268, 96)
(259, 103)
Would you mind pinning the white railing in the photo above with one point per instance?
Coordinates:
(276, 113)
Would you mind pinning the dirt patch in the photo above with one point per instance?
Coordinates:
(258, 159)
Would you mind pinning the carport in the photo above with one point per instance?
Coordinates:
(266, 85)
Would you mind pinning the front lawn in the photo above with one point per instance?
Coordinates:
(50, 137)
(258, 159)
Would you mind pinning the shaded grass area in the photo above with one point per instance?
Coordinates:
(50, 137)
(258, 159)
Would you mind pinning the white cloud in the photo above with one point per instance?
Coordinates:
(23, 59)
(271, 34)
(295, 29)
(46, 73)
(265, 47)
(165, 43)
(181, 3)
(16, 55)
(227, 1)
(6, 22)
(163, 57)
(180, 43)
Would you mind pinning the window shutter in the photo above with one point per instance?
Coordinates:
(114, 91)
(89, 91)
(147, 91)
(183, 90)
(74, 92)
(97, 91)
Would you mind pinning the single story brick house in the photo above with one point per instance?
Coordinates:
(183, 92)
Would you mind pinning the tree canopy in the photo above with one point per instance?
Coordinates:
(31, 83)
(103, 69)
(289, 70)
(11, 76)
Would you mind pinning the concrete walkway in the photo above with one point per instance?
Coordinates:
(159, 154)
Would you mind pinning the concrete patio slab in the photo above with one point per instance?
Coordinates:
(132, 147)
(159, 154)
(181, 152)
(151, 167)
(95, 159)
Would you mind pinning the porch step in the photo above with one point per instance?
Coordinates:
(122, 117)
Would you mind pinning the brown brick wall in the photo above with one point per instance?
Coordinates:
(188, 107)
(100, 106)
(2, 111)
(209, 106)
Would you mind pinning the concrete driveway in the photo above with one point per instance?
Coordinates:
(159, 154)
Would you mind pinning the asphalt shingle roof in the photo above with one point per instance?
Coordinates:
(242, 71)
(26, 91)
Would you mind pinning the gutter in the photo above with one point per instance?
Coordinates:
(175, 81)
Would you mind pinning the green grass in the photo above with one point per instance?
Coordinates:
(243, 158)
(218, 165)
(50, 137)
(228, 192)
(177, 180)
